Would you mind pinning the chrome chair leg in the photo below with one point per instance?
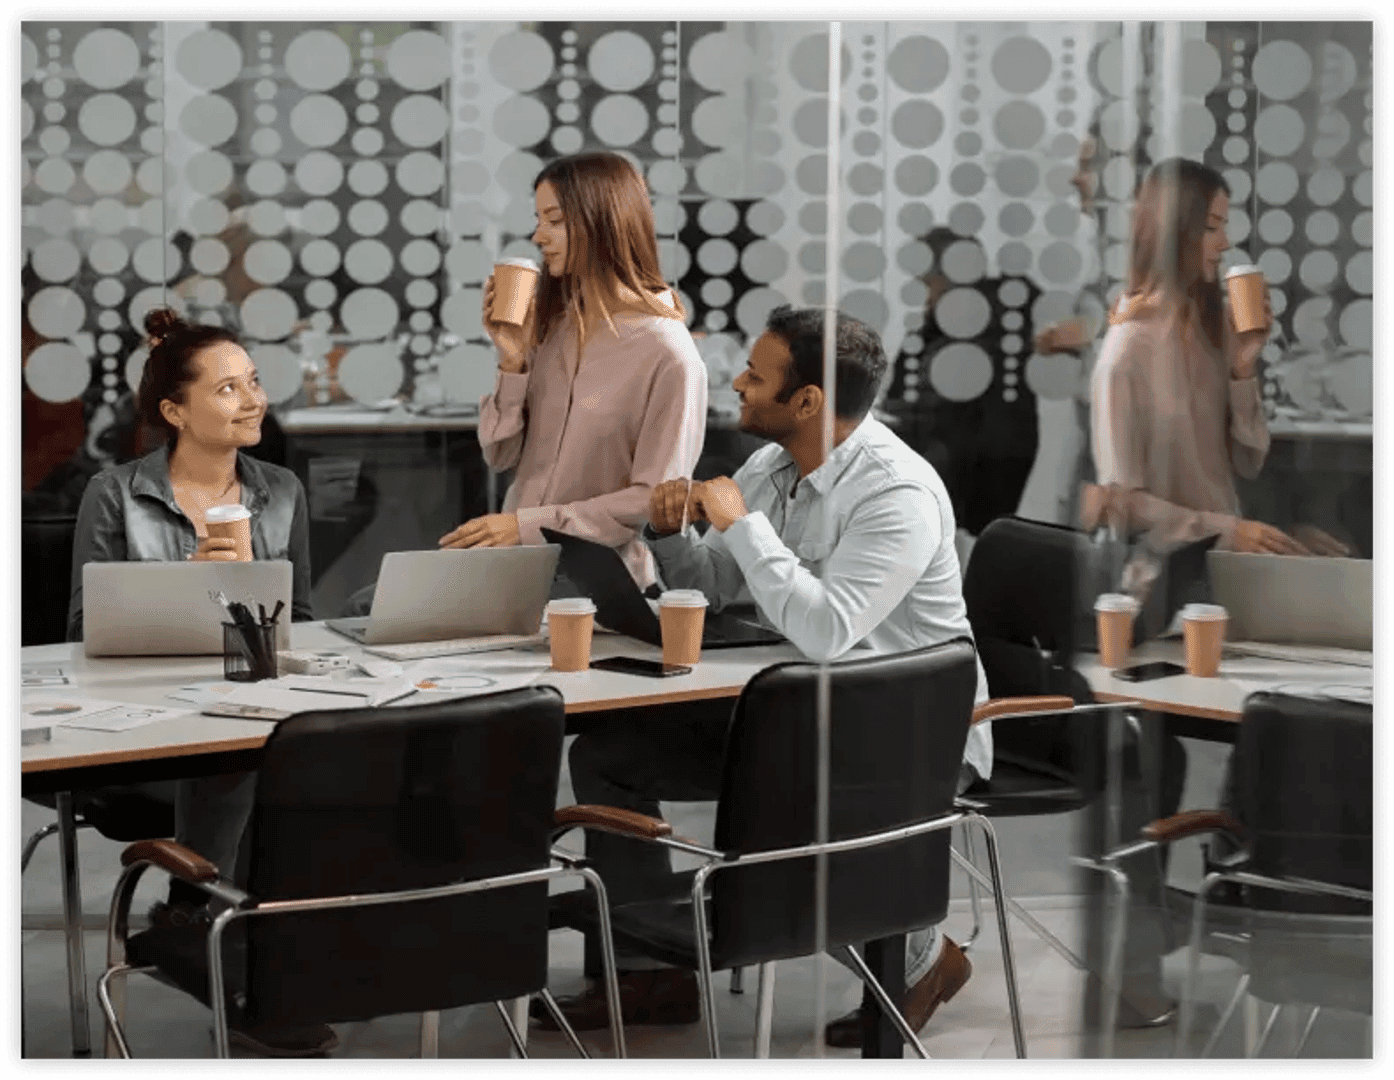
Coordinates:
(607, 957)
(430, 1034)
(112, 1008)
(704, 961)
(884, 1000)
(72, 926)
(737, 980)
(1306, 1031)
(518, 1045)
(1267, 1029)
(33, 842)
(994, 863)
(1021, 913)
(975, 900)
(1186, 1011)
(562, 1022)
(1238, 996)
(764, 1009)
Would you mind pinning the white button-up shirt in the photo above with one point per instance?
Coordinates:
(858, 554)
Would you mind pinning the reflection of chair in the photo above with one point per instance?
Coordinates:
(898, 725)
(46, 564)
(398, 863)
(1302, 790)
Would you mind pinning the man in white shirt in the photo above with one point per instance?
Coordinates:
(853, 549)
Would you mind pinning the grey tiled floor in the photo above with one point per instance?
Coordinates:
(165, 1024)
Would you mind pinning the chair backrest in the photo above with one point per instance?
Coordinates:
(898, 727)
(366, 801)
(1302, 782)
(46, 561)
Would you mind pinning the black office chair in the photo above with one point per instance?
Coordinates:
(46, 562)
(898, 725)
(399, 863)
(1302, 811)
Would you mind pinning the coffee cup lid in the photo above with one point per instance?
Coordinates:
(1112, 601)
(683, 598)
(1204, 611)
(572, 605)
(1240, 271)
(527, 264)
(220, 515)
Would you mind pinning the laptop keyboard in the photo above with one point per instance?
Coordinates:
(426, 650)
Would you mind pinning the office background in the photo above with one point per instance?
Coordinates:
(339, 191)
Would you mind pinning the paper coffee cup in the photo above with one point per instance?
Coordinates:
(1115, 613)
(1247, 286)
(681, 614)
(1203, 628)
(514, 282)
(234, 522)
(570, 624)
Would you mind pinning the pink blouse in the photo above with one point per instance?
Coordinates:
(590, 436)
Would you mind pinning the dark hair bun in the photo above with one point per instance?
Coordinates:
(163, 321)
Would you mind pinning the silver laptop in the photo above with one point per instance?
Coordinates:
(456, 593)
(163, 608)
(1294, 599)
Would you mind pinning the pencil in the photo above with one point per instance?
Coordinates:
(683, 529)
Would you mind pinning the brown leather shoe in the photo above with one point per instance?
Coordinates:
(659, 996)
(940, 983)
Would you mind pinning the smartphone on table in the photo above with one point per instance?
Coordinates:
(632, 665)
(1157, 669)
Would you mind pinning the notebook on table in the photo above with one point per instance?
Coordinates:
(164, 608)
(460, 595)
(599, 572)
(1295, 600)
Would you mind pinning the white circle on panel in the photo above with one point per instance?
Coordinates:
(318, 120)
(717, 217)
(421, 293)
(1279, 130)
(1333, 134)
(155, 260)
(1360, 272)
(960, 371)
(1351, 383)
(1119, 177)
(367, 217)
(56, 312)
(1323, 228)
(1282, 70)
(1277, 182)
(721, 173)
(56, 260)
(106, 59)
(57, 217)
(154, 175)
(419, 60)
(667, 177)
(521, 121)
(268, 314)
(368, 262)
(266, 218)
(208, 172)
(28, 58)
(207, 217)
(754, 307)
(106, 119)
(318, 60)
(266, 178)
(1275, 226)
(1338, 72)
(107, 255)
(278, 369)
(468, 261)
(368, 178)
(621, 60)
(57, 371)
(1357, 324)
(266, 142)
(319, 217)
(150, 298)
(208, 120)
(1318, 269)
(370, 373)
(367, 142)
(764, 261)
(674, 260)
(420, 217)
(521, 60)
(419, 120)
(721, 120)
(963, 261)
(1055, 377)
(319, 258)
(1362, 229)
(209, 59)
(963, 312)
(1325, 186)
(619, 120)
(420, 173)
(209, 255)
(135, 366)
(369, 313)
(267, 262)
(108, 216)
(1197, 129)
(1276, 264)
(320, 294)
(468, 373)
(319, 173)
(107, 172)
(717, 257)
(721, 61)
(420, 258)
(1309, 321)
(55, 176)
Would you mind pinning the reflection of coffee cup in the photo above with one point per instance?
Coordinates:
(1115, 613)
(681, 613)
(1203, 627)
(514, 282)
(233, 522)
(570, 623)
(1247, 287)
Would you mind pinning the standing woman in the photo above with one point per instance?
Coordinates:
(1176, 406)
(601, 394)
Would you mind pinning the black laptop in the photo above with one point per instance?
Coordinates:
(600, 573)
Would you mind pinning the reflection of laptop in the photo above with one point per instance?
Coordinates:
(456, 593)
(1294, 599)
(599, 572)
(163, 608)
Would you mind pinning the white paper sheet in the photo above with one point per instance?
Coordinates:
(483, 673)
(92, 714)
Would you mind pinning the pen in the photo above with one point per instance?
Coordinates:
(276, 611)
(262, 609)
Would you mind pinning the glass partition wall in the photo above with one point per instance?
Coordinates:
(339, 191)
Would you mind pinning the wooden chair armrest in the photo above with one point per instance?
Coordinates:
(1193, 823)
(171, 857)
(999, 707)
(613, 819)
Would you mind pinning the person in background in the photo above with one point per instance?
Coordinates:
(601, 394)
(200, 388)
(883, 578)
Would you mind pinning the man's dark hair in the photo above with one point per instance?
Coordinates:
(861, 362)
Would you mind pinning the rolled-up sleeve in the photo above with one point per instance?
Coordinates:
(1248, 429)
(503, 421)
(100, 537)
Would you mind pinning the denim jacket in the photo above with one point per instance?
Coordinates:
(128, 514)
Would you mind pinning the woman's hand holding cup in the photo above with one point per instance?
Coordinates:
(510, 339)
(215, 549)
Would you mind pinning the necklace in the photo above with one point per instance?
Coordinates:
(188, 495)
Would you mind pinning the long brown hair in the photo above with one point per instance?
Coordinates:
(610, 242)
(1166, 262)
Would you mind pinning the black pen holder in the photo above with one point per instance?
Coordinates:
(249, 661)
